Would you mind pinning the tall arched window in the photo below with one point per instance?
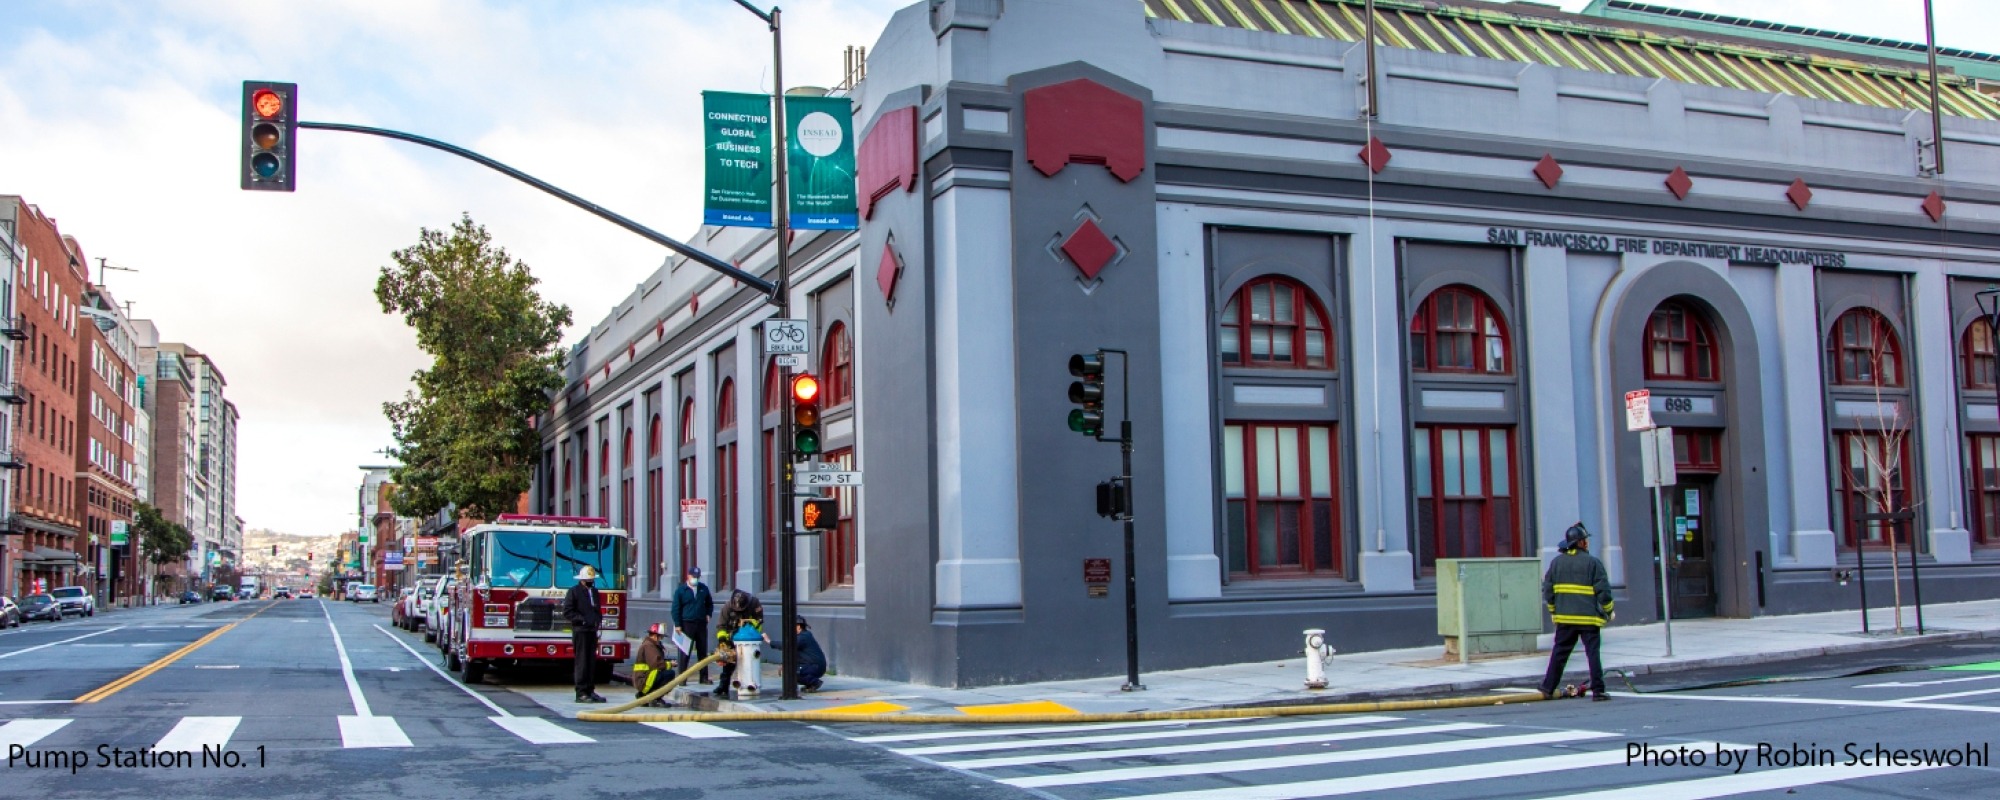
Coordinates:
(1457, 329)
(723, 513)
(774, 407)
(689, 550)
(725, 406)
(625, 475)
(604, 476)
(1863, 351)
(1275, 322)
(656, 499)
(837, 366)
(1977, 356)
(1680, 346)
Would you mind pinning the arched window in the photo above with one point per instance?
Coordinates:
(625, 455)
(1977, 353)
(725, 406)
(1274, 322)
(837, 366)
(656, 503)
(687, 421)
(1864, 351)
(1680, 346)
(653, 445)
(774, 389)
(1457, 329)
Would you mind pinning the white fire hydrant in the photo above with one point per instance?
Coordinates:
(1318, 655)
(749, 660)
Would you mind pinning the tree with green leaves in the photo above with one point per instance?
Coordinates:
(164, 541)
(466, 435)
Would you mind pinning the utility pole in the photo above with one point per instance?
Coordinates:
(1937, 122)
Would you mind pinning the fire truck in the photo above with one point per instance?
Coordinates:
(506, 608)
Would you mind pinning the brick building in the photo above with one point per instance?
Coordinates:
(173, 467)
(107, 443)
(13, 259)
(48, 284)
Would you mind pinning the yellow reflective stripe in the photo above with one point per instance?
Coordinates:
(1573, 619)
(1575, 588)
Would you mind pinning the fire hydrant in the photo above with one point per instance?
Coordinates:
(1318, 655)
(749, 660)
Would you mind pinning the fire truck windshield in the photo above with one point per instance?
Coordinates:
(604, 552)
(529, 560)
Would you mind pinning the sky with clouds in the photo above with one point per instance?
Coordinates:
(118, 118)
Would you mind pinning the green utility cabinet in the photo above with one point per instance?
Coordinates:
(1489, 606)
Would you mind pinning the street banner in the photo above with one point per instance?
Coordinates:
(427, 545)
(736, 155)
(392, 557)
(819, 140)
(119, 532)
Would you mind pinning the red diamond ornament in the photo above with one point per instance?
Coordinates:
(886, 274)
(1934, 206)
(1375, 155)
(1800, 194)
(1549, 171)
(1089, 249)
(1679, 183)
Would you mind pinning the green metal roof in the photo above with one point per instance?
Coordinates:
(1969, 63)
(1547, 36)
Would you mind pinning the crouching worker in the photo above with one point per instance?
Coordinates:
(650, 668)
(812, 660)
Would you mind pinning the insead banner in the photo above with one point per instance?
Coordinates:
(737, 158)
(819, 137)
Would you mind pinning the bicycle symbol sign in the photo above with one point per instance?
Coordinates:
(785, 336)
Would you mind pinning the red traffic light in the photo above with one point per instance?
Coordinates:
(267, 104)
(805, 389)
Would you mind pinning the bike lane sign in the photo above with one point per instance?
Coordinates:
(785, 336)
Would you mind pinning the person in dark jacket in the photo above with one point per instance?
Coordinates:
(650, 667)
(812, 660)
(693, 605)
(742, 607)
(580, 607)
(1578, 593)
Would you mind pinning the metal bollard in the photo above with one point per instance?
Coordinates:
(749, 660)
(1318, 655)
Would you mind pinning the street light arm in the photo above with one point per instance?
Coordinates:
(769, 290)
(761, 14)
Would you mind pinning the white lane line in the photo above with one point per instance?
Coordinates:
(694, 730)
(371, 732)
(1813, 701)
(1900, 684)
(1029, 744)
(540, 731)
(192, 734)
(347, 673)
(1948, 696)
(1384, 781)
(1307, 760)
(25, 732)
(440, 673)
(36, 702)
(1209, 747)
(1726, 785)
(65, 641)
(995, 731)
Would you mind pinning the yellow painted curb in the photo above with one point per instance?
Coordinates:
(612, 715)
(1033, 707)
(877, 707)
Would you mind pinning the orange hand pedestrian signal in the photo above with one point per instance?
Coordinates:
(819, 514)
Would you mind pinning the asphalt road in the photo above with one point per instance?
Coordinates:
(266, 682)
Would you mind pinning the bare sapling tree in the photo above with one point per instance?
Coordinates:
(1883, 488)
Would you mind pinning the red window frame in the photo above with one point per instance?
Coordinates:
(1854, 356)
(1982, 487)
(1254, 323)
(840, 551)
(1680, 345)
(690, 548)
(1850, 447)
(1979, 357)
(837, 366)
(656, 500)
(1466, 317)
(1272, 530)
(625, 482)
(1487, 518)
(774, 403)
(1697, 450)
(723, 510)
(568, 465)
(604, 476)
(583, 478)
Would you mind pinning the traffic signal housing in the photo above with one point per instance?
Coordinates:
(1114, 501)
(805, 416)
(270, 133)
(1087, 392)
(819, 514)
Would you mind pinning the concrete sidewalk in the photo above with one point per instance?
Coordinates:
(1416, 672)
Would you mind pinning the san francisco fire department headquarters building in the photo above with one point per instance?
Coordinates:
(1356, 347)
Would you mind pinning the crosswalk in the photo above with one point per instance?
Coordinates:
(1287, 758)
(194, 733)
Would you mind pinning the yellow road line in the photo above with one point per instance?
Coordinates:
(140, 674)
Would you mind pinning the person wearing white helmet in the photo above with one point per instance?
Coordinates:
(580, 607)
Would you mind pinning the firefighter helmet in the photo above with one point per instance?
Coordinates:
(587, 574)
(657, 629)
(1576, 535)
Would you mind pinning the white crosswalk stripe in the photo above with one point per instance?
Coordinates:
(1727, 785)
(1212, 747)
(694, 730)
(26, 732)
(540, 731)
(192, 734)
(358, 732)
(1134, 737)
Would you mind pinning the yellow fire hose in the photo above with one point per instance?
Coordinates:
(616, 713)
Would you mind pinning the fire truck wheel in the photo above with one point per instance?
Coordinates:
(471, 671)
(451, 662)
(430, 635)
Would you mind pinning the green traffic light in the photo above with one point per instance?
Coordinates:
(1088, 423)
(806, 443)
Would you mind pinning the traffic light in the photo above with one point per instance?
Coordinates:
(805, 416)
(1088, 393)
(819, 514)
(1113, 500)
(270, 129)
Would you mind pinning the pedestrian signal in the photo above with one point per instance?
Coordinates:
(819, 514)
(270, 128)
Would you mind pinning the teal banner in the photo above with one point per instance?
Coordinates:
(737, 159)
(819, 137)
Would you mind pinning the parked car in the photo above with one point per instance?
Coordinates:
(438, 610)
(223, 592)
(414, 601)
(40, 606)
(10, 613)
(362, 591)
(75, 600)
(190, 596)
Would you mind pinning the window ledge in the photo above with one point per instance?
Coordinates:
(1289, 587)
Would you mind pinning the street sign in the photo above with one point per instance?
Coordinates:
(826, 480)
(1638, 410)
(786, 336)
(1097, 577)
(793, 361)
(694, 513)
(119, 532)
(1656, 457)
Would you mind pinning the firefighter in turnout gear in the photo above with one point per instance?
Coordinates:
(1578, 593)
(651, 669)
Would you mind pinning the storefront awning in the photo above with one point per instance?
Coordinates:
(49, 556)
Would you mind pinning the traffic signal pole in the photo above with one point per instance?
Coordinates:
(1132, 683)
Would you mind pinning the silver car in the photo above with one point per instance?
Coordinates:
(75, 600)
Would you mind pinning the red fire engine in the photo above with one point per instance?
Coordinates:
(507, 605)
